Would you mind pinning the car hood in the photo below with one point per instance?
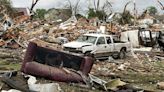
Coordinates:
(76, 44)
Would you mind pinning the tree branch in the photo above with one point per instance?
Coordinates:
(76, 6)
(95, 5)
(162, 7)
(126, 6)
(33, 5)
(98, 4)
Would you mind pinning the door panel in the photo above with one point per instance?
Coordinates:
(101, 47)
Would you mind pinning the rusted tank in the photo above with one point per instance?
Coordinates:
(49, 63)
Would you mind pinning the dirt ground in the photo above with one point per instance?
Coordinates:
(143, 72)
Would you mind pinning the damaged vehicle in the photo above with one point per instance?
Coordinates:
(161, 40)
(99, 46)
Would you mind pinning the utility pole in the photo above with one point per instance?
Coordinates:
(135, 13)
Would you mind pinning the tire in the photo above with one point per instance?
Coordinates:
(115, 55)
(122, 54)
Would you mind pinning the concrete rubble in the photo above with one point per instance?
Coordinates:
(11, 90)
(48, 87)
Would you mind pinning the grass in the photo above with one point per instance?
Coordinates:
(12, 66)
(6, 65)
(145, 80)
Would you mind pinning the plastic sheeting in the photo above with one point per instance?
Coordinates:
(131, 36)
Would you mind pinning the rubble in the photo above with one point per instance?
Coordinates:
(160, 85)
(11, 90)
(159, 57)
(97, 82)
(49, 63)
(48, 87)
(15, 84)
(8, 74)
(112, 85)
(42, 41)
(51, 87)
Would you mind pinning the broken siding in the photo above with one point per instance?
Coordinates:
(131, 36)
(22, 11)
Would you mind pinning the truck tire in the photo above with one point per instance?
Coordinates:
(115, 55)
(122, 54)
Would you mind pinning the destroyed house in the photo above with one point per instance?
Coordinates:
(22, 11)
(159, 18)
(55, 14)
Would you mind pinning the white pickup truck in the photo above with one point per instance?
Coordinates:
(98, 45)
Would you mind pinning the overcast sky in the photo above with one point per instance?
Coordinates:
(117, 4)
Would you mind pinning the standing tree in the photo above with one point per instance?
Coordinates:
(39, 13)
(6, 7)
(91, 13)
(98, 10)
(126, 16)
(107, 7)
(152, 10)
(74, 7)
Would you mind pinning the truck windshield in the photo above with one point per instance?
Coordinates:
(88, 39)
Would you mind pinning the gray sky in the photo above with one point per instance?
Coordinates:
(117, 4)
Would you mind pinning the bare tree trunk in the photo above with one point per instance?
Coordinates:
(96, 4)
(126, 6)
(34, 2)
(70, 5)
(74, 8)
(162, 6)
(135, 13)
(107, 6)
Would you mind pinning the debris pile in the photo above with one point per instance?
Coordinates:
(35, 47)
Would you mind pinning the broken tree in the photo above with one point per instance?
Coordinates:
(34, 2)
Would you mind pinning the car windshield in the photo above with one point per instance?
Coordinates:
(88, 39)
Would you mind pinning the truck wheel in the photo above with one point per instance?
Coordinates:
(122, 54)
(115, 55)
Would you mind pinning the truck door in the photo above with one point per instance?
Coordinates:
(110, 45)
(101, 47)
